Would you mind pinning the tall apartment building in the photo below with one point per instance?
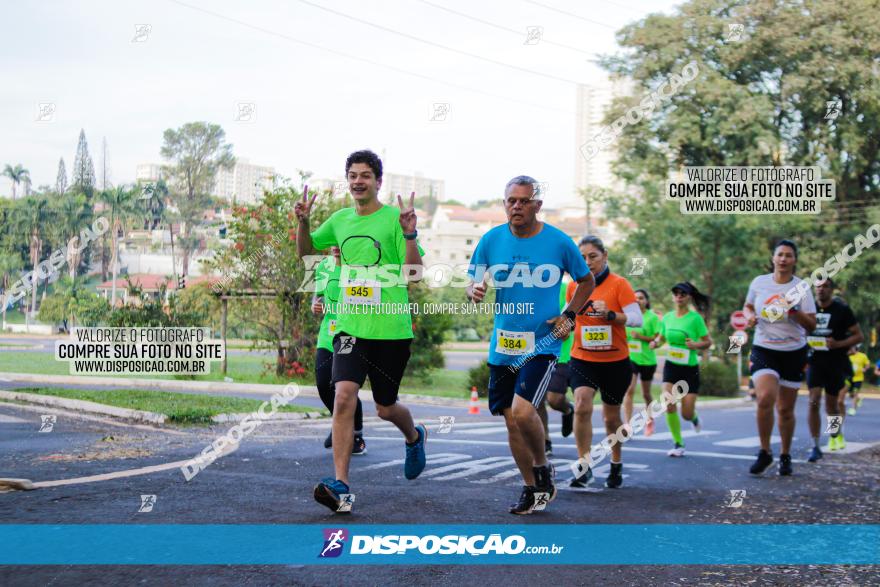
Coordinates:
(244, 183)
(398, 183)
(592, 101)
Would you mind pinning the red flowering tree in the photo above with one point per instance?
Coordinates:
(262, 274)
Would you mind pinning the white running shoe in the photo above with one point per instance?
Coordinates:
(676, 451)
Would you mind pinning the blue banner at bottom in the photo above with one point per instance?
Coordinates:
(422, 544)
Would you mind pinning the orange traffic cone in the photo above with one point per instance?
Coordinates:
(475, 402)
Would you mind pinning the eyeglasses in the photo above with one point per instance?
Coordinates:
(512, 202)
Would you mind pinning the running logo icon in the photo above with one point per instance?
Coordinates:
(334, 540)
(737, 496)
(833, 426)
(542, 498)
(534, 34)
(47, 423)
(446, 423)
(639, 264)
(147, 503)
(736, 343)
(832, 110)
(346, 501)
(346, 344)
(735, 32)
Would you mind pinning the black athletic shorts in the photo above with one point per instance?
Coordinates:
(383, 361)
(612, 378)
(673, 373)
(645, 372)
(530, 382)
(323, 369)
(788, 365)
(831, 376)
(559, 379)
(854, 386)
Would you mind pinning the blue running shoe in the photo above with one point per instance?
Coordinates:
(815, 455)
(415, 454)
(327, 492)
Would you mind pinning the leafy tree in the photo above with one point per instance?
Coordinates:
(33, 219)
(10, 265)
(71, 303)
(197, 151)
(759, 102)
(153, 311)
(17, 175)
(83, 179)
(429, 330)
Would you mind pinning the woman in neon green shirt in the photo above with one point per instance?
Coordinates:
(686, 332)
(642, 357)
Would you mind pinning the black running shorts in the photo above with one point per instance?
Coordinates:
(612, 378)
(673, 373)
(383, 361)
(645, 372)
(559, 379)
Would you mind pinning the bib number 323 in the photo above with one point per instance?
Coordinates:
(595, 336)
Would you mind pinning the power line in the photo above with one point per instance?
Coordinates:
(438, 45)
(554, 9)
(367, 60)
(502, 27)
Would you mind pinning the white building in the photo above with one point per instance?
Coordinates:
(148, 172)
(397, 183)
(244, 183)
(594, 170)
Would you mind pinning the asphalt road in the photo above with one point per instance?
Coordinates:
(470, 479)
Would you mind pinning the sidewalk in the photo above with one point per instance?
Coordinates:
(261, 388)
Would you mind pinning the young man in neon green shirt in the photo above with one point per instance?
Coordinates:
(374, 326)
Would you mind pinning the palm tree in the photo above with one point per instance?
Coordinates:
(33, 215)
(71, 290)
(123, 205)
(10, 265)
(17, 174)
(74, 213)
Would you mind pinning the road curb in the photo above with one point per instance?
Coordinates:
(84, 406)
(278, 417)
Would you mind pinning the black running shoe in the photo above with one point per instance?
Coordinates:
(762, 463)
(328, 442)
(548, 447)
(360, 447)
(785, 465)
(568, 421)
(545, 480)
(327, 493)
(526, 502)
(582, 481)
(615, 476)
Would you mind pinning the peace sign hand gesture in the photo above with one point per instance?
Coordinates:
(407, 215)
(303, 208)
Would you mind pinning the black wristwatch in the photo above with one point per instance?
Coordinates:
(412, 236)
(611, 315)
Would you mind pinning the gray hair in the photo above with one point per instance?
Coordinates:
(525, 180)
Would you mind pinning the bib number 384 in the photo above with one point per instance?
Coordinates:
(514, 343)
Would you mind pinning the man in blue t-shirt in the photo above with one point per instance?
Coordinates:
(525, 259)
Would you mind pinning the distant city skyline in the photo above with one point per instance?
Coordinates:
(295, 87)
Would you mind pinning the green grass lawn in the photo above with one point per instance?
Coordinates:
(181, 408)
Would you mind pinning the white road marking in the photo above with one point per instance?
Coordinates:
(4, 419)
(667, 436)
(443, 457)
(748, 442)
(468, 468)
(627, 448)
(515, 471)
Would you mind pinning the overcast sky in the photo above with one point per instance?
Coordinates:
(322, 84)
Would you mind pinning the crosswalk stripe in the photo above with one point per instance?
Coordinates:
(442, 457)
(747, 442)
(468, 468)
(667, 436)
